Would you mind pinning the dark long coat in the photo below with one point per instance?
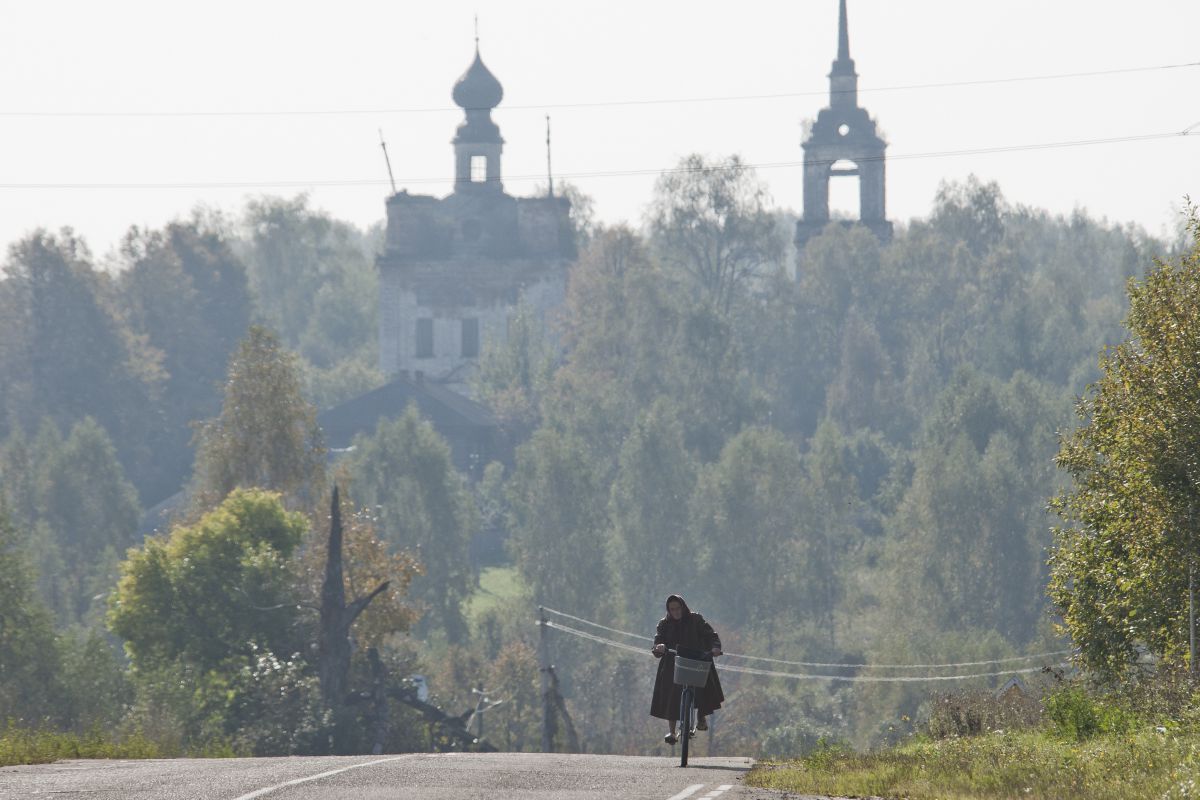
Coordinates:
(691, 632)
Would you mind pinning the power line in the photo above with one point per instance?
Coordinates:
(300, 184)
(1012, 659)
(299, 112)
(806, 677)
(565, 615)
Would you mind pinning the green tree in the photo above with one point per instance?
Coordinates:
(648, 506)
(711, 220)
(405, 474)
(750, 520)
(966, 542)
(91, 511)
(29, 657)
(312, 277)
(186, 293)
(632, 336)
(558, 523)
(217, 589)
(515, 725)
(96, 689)
(1121, 566)
(67, 354)
(267, 435)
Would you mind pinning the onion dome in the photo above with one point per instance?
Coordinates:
(478, 87)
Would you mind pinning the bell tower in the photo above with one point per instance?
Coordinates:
(843, 143)
(477, 144)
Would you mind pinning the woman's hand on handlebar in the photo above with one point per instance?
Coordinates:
(659, 650)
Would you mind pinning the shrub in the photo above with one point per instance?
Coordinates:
(969, 713)
(1079, 715)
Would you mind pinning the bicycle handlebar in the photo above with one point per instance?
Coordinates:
(703, 653)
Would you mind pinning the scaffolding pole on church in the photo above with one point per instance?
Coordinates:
(387, 161)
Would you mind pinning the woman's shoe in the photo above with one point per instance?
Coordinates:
(670, 738)
(702, 725)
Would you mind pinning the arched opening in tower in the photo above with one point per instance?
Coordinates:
(845, 198)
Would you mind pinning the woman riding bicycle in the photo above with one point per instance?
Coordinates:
(683, 628)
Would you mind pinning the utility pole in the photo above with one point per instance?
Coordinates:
(546, 666)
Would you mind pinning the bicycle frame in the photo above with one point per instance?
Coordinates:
(687, 715)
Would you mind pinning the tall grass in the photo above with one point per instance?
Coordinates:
(1139, 741)
(1146, 764)
(20, 745)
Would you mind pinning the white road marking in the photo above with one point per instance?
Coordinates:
(278, 786)
(688, 792)
(725, 787)
(717, 792)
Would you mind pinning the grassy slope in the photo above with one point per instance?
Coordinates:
(496, 584)
(1144, 764)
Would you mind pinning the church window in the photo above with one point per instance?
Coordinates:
(845, 198)
(478, 169)
(425, 338)
(470, 337)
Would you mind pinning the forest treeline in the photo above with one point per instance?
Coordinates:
(838, 455)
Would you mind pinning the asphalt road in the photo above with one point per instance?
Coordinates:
(415, 776)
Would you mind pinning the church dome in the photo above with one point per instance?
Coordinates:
(478, 87)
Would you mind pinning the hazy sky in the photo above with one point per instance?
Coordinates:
(104, 104)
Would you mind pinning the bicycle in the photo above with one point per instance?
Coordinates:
(691, 672)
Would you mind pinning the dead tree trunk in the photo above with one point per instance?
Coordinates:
(333, 644)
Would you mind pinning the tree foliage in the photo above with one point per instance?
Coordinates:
(1121, 565)
(66, 354)
(558, 522)
(185, 292)
(29, 657)
(266, 435)
(213, 590)
(404, 474)
(711, 220)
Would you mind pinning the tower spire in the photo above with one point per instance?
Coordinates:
(843, 80)
(843, 34)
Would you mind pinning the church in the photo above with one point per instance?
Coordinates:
(455, 269)
(453, 272)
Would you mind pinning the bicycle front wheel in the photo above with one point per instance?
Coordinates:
(685, 725)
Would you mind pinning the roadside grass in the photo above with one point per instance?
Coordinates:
(1146, 763)
(1136, 739)
(496, 584)
(33, 746)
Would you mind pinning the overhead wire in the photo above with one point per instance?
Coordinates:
(45, 185)
(30, 113)
(862, 665)
(805, 676)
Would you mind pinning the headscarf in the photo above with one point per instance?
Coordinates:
(686, 611)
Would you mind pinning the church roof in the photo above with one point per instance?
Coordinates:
(478, 87)
(447, 410)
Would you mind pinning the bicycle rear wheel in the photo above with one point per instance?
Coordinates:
(685, 725)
